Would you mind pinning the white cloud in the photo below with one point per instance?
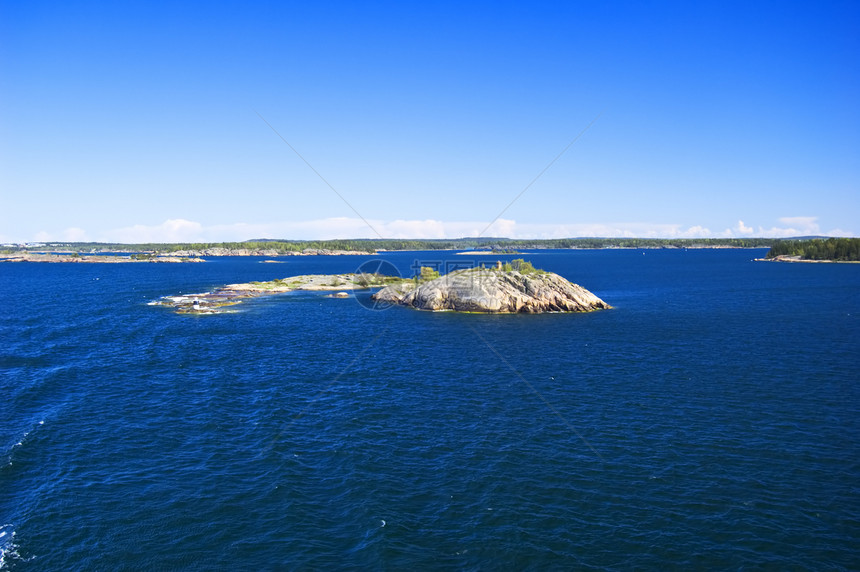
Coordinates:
(810, 222)
(794, 226)
(172, 230)
(419, 229)
(75, 234)
(71, 234)
(743, 229)
(181, 230)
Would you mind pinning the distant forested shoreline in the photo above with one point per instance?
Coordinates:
(365, 245)
(838, 249)
(813, 248)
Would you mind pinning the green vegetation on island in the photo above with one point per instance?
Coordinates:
(426, 274)
(836, 249)
(521, 266)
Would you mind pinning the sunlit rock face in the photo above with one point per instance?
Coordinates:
(496, 291)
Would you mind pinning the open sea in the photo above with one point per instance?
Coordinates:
(711, 420)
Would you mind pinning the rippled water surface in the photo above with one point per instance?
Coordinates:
(710, 420)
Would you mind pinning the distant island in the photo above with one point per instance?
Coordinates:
(489, 252)
(816, 250)
(241, 251)
(75, 257)
(513, 287)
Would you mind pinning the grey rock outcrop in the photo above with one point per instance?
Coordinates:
(495, 291)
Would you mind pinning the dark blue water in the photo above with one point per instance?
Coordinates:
(709, 421)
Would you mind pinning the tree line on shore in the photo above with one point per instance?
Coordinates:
(841, 249)
(495, 244)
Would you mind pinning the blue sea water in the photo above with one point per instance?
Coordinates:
(710, 421)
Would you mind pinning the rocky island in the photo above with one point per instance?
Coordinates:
(498, 290)
(218, 300)
(513, 288)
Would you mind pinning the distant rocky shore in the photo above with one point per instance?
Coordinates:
(177, 256)
(92, 258)
(797, 258)
(268, 252)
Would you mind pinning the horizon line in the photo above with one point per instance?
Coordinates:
(463, 238)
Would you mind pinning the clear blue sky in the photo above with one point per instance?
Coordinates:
(139, 121)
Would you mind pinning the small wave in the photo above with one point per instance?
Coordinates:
(8, 548)
(10, 450)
